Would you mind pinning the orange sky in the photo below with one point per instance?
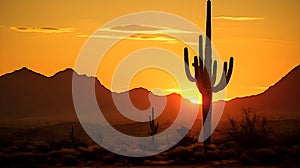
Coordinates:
(263, 36)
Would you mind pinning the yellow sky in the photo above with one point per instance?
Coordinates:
(263, 36)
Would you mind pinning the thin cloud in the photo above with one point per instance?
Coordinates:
(43, 29)
(144, 29)
(136, 28)
(239, 18)
(140, 32)
(139, 37)
(152, 37)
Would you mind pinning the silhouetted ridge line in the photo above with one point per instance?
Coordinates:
(291, 75)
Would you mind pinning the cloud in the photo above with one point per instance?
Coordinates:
(235, 18)
(42, 29)
(153, 37)
(145, 29)
(136, 28)
(141, 32)
(139, 36)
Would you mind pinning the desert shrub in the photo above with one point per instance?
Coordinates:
(187, 139)
(228, 145)
(181, 153)
(197, 147)
(10, 149)
(249, 132)
(136, 160)
(70, 160)
(212, 155)
(108, 159)
(58, 154)
(91, 153)
(229, 154)
(66, 151)
(42, 147)
(24, 147)
(54, 155)
(199, 156)
(4, 143)
(288, 153)
(289, 137)
(58, 144)
(246, 159)
(266, 156)
(5, 160)
(28, 159)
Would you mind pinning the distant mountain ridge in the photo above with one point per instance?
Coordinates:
(280, 101)
(28, 97)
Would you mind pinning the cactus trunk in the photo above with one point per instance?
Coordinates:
(206, 107)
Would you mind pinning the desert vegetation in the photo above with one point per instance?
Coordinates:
(249, 140)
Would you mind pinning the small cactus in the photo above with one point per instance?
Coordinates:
(73, 138)
(153, 127)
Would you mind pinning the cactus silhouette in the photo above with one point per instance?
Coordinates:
(153, 127)
(205, 75)
(73, 138)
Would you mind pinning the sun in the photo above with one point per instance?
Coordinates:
(195, 101)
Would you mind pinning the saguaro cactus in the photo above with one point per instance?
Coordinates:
(205, 76)
(73, 138)
(153, 127)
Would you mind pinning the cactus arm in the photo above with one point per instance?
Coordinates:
(214, 73)
(196, 63)
(186, 65)
(222, 83)
(226, 75)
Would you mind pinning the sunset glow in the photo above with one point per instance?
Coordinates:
(46, 36)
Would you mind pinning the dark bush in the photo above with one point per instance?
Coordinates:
(92, 153)
(108, 159)
(181, 154)
(42, 147)
(229, 154)
(246, 159)
(249, 132)
(70, 160)
(266, 156)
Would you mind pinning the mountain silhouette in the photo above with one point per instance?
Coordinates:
(31, 98)
(280, 101)
(28, 97)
